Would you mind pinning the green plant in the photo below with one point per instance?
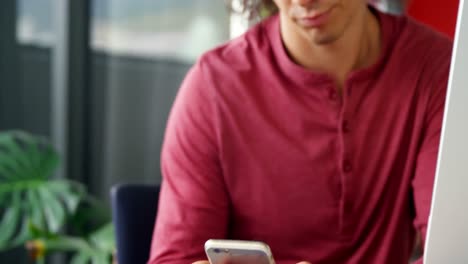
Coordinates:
(35, 208)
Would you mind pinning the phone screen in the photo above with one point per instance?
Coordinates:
(238, 257)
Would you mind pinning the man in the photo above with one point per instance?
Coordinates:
(316, 132)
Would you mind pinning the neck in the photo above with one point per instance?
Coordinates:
(358, 47)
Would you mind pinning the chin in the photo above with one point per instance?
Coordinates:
(320, 38)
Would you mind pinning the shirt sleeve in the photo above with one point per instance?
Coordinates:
(423, 180)
(193, 204)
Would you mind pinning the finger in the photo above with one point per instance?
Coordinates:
(304, 262)
(201, 262)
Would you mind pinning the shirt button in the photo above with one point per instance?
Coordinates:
(347, 167)
(345, 126)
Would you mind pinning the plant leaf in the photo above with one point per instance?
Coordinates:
(54, 211)
(67, 243)
(33, 206)
(32, 147)
(14, 155)
(8, 225)
(10, 219)
(66, 192)
(9, 166)
(100, 258)
(80, 259)
(37, 232)
(37, 216)
(10, 146)
(23, 235)
(104, 238)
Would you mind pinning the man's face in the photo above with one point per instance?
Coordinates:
(321, 21)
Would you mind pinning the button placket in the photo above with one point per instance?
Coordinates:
(345, 126)
(347, 166)
(333, 101)
(333, 95)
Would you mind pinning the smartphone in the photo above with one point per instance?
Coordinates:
(238, 252)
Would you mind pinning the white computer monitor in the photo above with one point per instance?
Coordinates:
(447, 238)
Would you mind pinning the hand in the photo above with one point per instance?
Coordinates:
(206, 262)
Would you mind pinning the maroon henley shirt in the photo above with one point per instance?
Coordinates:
(259, 148)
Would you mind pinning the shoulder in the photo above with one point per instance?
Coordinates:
(421, 57)
(416, 53)
(420, 43)
(224, 70)
(239, 54)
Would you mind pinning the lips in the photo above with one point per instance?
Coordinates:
(315, 20)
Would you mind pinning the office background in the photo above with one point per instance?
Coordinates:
(98, 78)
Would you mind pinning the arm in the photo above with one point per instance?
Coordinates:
(193, 203)
(423, 180)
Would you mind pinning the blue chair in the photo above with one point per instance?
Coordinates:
(134, 208)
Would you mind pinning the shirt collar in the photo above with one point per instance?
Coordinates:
(303, 76)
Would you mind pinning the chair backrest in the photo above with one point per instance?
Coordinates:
(134, 209)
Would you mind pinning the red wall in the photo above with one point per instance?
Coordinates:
(440, 14)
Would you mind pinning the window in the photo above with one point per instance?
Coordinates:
(165, 28)
(140, 52)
